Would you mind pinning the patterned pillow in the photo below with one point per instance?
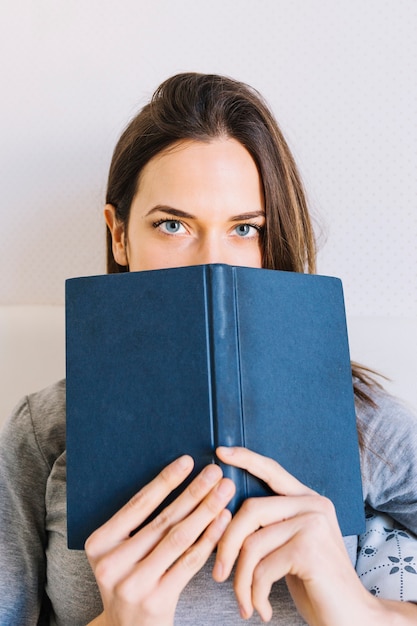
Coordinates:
(387, 558)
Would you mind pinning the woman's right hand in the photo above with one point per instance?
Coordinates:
(141, 577)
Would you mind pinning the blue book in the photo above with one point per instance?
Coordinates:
(166, 362)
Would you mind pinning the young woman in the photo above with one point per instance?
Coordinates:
(202, 174)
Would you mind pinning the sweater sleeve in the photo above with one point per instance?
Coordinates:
(24, 470)
(389, 458)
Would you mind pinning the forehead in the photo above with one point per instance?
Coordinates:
(221, 161)
(214, 180)
(216, 173)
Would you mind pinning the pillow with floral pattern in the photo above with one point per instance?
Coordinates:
(387, 558)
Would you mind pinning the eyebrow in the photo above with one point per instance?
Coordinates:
(179, 213)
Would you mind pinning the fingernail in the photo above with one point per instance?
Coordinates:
(224, 519)
(226, 451)
(218, 571)
(224, 488)
(211, 473)
(242, 612)
(185, 462)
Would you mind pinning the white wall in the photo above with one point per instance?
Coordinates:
(339, 74)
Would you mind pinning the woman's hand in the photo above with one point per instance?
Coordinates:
(140, 577)
(294, 534)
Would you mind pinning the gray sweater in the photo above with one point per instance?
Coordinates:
(42, 582)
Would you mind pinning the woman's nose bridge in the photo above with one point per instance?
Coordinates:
(212, 248)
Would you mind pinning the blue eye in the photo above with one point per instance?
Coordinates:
(245, 230)
(172, 226)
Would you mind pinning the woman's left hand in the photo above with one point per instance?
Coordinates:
(294, 534)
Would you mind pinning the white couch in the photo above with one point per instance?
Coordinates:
(32, 351)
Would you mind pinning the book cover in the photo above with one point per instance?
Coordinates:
(166, 362)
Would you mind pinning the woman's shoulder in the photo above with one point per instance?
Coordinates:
(382, 410)
(39, 420)
(386, 424)
(388, 428)
(47, 406)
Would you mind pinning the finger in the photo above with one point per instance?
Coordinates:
(136, 511)
(137, 547)
(177, 543)
(254, 550)
(272, 568)
(287, 561)
(196, 556)
(261, 512)
(256, 568)
(291, 547)
(177, 577)
(260, 565)
(185, 503)
(268, 470)
(183, 535)
(119, 559)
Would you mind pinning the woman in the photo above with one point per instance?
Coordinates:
(201, 175)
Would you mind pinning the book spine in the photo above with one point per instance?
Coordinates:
(225, 369)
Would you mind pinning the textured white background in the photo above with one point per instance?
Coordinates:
(339, 74)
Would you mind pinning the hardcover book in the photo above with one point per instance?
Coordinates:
(166, 362)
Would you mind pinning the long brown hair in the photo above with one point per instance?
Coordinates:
(202, 107)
